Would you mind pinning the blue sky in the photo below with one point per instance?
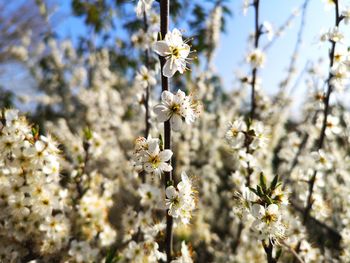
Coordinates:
(233, 44)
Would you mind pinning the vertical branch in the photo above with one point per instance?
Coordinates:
(146, 99)
(164, 27)
(321, 139)
(147, 95)
(268, 250)
(256, 45)
(257, 35)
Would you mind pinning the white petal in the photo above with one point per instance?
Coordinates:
(167, 97)
(272, 209)
(184, 177)
(165, 155)
(185, 51)
(165, 167)
(258, 211)
(176, 122)
(39, 146)
(162, 112)
(161, 48)
(168, 69)
(153, 147)
(171, 192)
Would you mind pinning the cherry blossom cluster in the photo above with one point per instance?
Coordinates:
(32, 200)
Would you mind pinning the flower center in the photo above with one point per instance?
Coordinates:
(234, 132)
(175, 52)
(155, 161)
(268, 218)
(175, 108)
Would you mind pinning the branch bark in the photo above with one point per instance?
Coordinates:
(164, 27)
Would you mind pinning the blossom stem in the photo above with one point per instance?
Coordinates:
(269, 252)
(293, 61)
(164, 27)
(146, 100)
(147, 95)
(256, 45)
(320, 142)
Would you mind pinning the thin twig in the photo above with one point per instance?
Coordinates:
(295, 254)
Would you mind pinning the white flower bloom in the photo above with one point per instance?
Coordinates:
(150, 195)
(175, 51)
(268, 29)
(339, 75)
(155, 161)
(333, 125)
(335, 35)
(259, 138)
(148, 157)
(180, 201)
(245, 158)
(185, 255)
(11, 115)
(143, 6)
(235, 134)
(144, 252)
(145, 77)
(346, 15)
(267, 222)
(176, 107)
(322, 161)
(81, 251)
(256, 58)
(246, 4)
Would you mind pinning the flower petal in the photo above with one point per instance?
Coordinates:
(170, 192)
(162, 112)
(165, 167)
(176, 122)
(161, 48)
(258, 211)
(168, 69)
(165, 155)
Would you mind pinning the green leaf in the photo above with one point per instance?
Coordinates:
(274, 182)
(278, 254)
(260, 191)
(87, 133)
(111, 257)
(254, 191)
(268, 199)
(263, 182)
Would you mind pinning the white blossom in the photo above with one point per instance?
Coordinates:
(175, 51)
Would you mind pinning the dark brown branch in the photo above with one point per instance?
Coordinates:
(320, 142)
(164, 27)
(256, 45)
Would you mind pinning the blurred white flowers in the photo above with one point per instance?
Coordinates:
(145, 77)
(143, 6)
(256, 58)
